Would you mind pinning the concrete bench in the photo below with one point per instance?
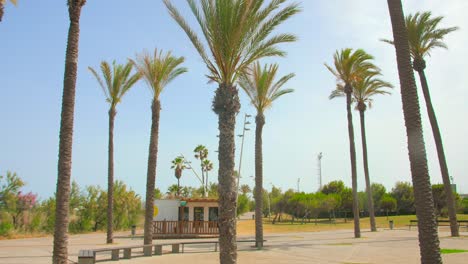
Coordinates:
(215, 242)
(89, 256)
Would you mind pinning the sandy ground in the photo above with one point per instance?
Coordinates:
(384, 246)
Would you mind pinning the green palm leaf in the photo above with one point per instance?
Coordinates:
(258, 83)
(158, 69)
(236, 33)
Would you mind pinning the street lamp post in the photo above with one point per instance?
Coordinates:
(240, 158)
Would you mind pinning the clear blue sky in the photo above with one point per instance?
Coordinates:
(299, 126)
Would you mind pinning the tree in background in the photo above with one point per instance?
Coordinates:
(262, 89)
(378, 191)
(427, 225)
(245, 189)
(178, 164)
(157, 193)
(207, 166)
(158, 70)
(117, 82)
(404, 195)
(388, 203)
(237, 33)
(365, 87)
(2, 4)
(350, 66)
(333, 187)
(201, 153)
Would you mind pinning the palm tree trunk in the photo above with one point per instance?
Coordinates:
(260, 122)
(60, 251)
(370, 202)
(352, 151)
(178, 187)
(151, 173)
(226, 105)
(1, 11)
(206, 184)
(427, 228)
(110, 177)
(440, 153)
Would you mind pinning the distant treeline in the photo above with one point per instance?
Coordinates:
(335, 200)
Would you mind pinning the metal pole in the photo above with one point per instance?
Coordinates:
(240, 158)
(319, 158)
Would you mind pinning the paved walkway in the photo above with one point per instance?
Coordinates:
(384, 246)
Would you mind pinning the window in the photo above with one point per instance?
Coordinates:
(213, 214)
(198, 214)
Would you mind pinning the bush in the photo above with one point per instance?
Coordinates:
(5, 228)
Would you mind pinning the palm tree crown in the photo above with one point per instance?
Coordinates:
(158, 69)
(178, 164)
(259, 85)
(117, 81)
(424, 34)
(350, 66)
(236, 32)
(364, 88)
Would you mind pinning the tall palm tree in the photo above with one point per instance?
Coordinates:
(178, 164)
(260, 86)
(157, 69)
(2, 5)
(207, 166)
(424, 35)
(349, 66)
(424, 203)
(201, 153)
(60, 252)
(117, 81)
(364, 88)
(237, 33)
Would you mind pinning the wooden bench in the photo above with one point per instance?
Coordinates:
(442, 223)
(89, 256)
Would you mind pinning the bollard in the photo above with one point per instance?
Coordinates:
(133, 230)
(390, 223)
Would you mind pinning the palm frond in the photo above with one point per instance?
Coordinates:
(158, 69)
(260, 86)
(116, 81)
(236, 33)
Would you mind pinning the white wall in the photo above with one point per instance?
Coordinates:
(167, 210)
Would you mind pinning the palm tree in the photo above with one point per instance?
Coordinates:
(207, 166)
(117, 81)
(237, 33)
(201, 153)
(349, 67)
(260, 86)
(60, 252)
(178, 164)
(424, 35)
(364, 88)
(2, 4)
(245, 189)
(157, 70)
(424, 203)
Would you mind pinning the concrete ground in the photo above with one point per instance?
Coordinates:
(384, 246)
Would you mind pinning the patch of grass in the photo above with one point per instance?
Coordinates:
(452, 251)
(247, 227)
(340, 244)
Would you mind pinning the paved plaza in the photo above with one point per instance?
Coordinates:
(384, 246)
